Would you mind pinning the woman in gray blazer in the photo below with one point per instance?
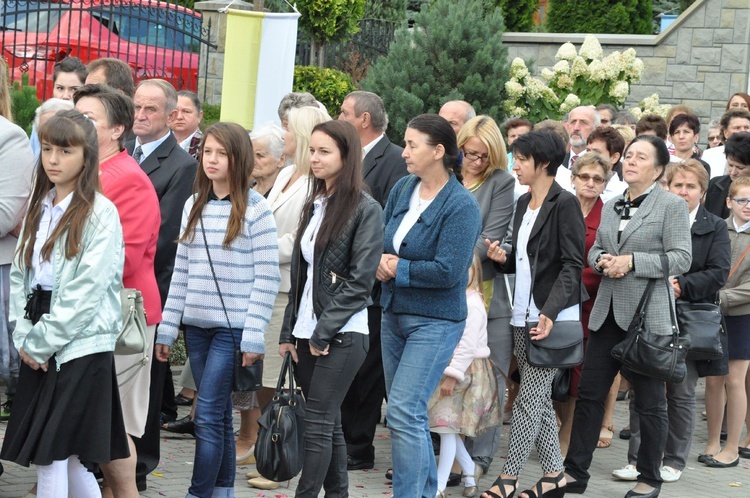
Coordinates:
(635, 230)
(485, 174)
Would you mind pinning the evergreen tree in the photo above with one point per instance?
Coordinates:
(328, 20)
(454, 51)
(518, 14)
(390, 10)
(600, 16)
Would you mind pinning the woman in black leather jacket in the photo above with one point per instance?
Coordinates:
(335, 258)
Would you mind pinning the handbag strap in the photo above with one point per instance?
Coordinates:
(533, 277)
(736, 264)
(216, 282)
(672, 314)
(287, 368)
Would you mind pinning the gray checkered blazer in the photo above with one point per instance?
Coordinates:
(660, 226)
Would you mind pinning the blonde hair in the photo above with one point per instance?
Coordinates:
(475, 275)
(626, 132)
(485, 129)
(301, 121)
(736, 185)
(689, 166)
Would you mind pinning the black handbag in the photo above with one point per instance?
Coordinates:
(704, 323)
(653, 355)
(245, 379)
(563, 347)
(561, 385)
(279, 449)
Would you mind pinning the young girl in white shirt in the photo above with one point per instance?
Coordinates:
(466, 401)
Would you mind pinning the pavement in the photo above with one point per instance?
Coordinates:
(172, 476)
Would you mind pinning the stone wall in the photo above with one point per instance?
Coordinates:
(699, 60)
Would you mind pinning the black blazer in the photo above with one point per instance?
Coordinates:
(560, 233)
(383, 167)
(172, 171)
(716, 196)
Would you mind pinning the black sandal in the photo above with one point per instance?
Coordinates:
(501, 483)
(557, 492)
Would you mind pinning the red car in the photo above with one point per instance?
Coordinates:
(157, 39)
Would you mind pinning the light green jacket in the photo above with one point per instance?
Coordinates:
(85, 313)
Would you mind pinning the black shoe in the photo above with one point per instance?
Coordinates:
(556, 492)
(453, 480)
(703, 457)
(355, 464)
(164, 419)
(181, 400)
(625, 434)
(141, 485)
(5, 409)
(714, 463)
(576, 487)
(654, 493)
(744, 452)
(389, 474)
(185, 425)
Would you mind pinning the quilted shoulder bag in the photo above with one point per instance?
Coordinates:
(653, 355)
(279, 450)
(704, 323)
(563, 347)
(132, 338)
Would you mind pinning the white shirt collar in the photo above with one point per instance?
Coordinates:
(740, 229)
(694, 214)
(185, 144)
(367, 148)
(148, 148)
(62, 206)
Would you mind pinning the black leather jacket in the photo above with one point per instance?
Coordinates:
(343, 276)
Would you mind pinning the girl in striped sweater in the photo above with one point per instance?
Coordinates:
(224, 284)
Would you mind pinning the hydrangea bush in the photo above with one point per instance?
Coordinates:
(650, 105)
(583, 77)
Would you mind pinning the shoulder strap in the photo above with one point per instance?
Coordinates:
(672, 315)
(737, 263)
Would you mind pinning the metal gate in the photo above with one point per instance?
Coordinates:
(156, 38)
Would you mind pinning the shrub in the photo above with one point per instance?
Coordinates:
(329, 86)
(600, 16)
(392, 10)
(211, 114)
(518, 14)
(24, 103)
(454, 51)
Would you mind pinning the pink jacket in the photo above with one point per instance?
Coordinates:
(473, 343)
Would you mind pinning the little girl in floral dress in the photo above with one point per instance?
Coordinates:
(466, 402)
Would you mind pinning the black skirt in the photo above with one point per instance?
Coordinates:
(73, 411)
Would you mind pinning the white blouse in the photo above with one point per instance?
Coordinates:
(44, 271)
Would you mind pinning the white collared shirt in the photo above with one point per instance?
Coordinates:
(185, 144)
(694, 214)
(306, 319)
(740, 229)
(367, 148)
(44, 271)
(148, 148)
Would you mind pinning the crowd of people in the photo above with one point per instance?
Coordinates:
(421, 275)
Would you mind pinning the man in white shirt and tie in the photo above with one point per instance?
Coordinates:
(581, 122)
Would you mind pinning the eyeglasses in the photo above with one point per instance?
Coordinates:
(742, 201)
(585, 178)
(473, 156)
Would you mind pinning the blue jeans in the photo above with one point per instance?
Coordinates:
(416, 350)
(211, 353)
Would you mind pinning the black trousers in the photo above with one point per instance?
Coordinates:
(324, 381)
(360, 412)
(148, 446)
(599, 370)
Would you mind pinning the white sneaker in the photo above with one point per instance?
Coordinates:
(669, 474)
(627, 473)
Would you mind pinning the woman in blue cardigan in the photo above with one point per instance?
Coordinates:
(431, 225)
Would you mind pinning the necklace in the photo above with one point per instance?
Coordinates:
(426, 202)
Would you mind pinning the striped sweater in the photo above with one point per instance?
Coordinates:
(247, 272)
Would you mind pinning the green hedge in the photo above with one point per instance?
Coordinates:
(329, 86)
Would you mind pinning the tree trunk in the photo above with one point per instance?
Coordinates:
(322, 55)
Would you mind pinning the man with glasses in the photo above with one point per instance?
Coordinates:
(737, 151)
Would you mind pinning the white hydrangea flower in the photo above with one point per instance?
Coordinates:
(535, 88)
(650, 102)
(579, 67)
(596, 71)
(570, 103)
(634, 70)
(567, 52)
(547, 74)
(518, 69)
(662, 110)
(628, 56)
(515, 89)
(565, 82)
(518, 112)
(549, 95)
(591, 49)
(620, 90)
(612, 65)
(562, 66)
(637, 112)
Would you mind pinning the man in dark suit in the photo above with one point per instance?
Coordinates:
(737, 150)
(383, 167)
(172, 171)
